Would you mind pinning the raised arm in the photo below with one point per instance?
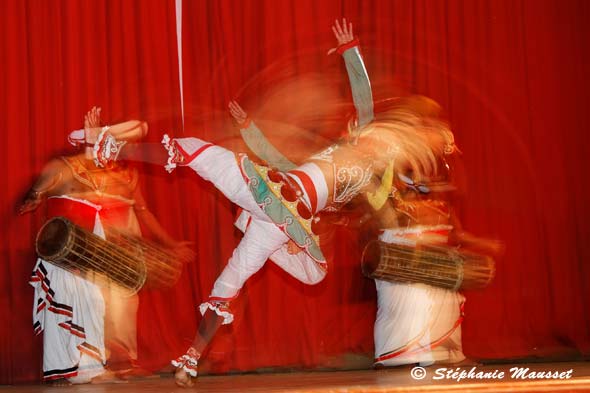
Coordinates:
(362, 97)
(129, 131)
(256, 141)
(348, 47)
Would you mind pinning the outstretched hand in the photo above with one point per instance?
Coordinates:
(236, 111)
(29, 205)
(343, 33)
(184, 250)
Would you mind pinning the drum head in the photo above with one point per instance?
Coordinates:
(52, 238)
(371, 257)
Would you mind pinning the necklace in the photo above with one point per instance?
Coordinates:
(85, 176)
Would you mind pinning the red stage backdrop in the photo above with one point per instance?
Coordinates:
(512, 76)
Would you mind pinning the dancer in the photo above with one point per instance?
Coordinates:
(70, 309)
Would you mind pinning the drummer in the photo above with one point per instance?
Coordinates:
(79, 319)
(418, 323)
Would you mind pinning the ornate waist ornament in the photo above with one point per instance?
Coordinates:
(352, 172)
(349, 181)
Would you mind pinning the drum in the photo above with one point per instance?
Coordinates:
(163, 266)
(126, 260)
(439, 266)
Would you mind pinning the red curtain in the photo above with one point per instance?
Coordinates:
(58, 60)
(510, 74)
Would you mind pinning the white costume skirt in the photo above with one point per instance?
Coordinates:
(70, 312)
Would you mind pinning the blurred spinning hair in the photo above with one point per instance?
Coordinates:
(411, 127)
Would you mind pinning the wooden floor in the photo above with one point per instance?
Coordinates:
(390, 380)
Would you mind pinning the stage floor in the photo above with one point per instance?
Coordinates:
(389, 380)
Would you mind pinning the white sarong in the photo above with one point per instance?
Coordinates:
(416, 323)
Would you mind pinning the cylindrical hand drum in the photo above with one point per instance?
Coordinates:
(73, 248)
(439, 266)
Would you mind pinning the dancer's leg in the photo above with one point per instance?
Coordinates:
(120, 324)
(213, 163)
(260, 241)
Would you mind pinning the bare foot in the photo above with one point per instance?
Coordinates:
(59, 383)
(183, 379)
(135, 372)
(106, 377)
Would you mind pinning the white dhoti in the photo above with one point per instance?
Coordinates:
(262, 237)
(70, 312)
(416, 323)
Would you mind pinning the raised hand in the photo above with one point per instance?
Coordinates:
(342, 32)
(237, 112)
(93, 117)
(92, 124)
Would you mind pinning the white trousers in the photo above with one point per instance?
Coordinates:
(262, 238)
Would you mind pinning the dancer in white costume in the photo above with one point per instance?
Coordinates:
(282, 205)
(70, 309)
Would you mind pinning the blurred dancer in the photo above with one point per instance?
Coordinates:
(68, 308)
(420, 323)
